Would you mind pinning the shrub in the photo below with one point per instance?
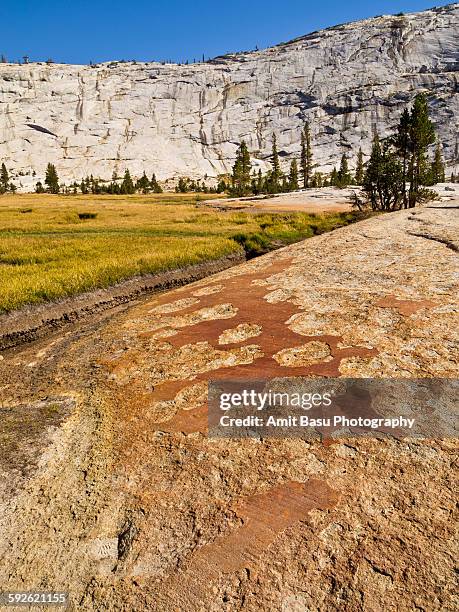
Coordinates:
(253, 244)
(426, 195)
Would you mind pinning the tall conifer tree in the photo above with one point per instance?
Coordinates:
(240, 179)
(421, 135)
(344, 177)
(4, 178)
(402, 144)
(127, 186)
(438, 167)
(276, 173)
(51, 179)
(306, 156)
(359, 169)
(293, 176)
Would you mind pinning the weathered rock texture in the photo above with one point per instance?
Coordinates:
(188, 120)
(125, 502)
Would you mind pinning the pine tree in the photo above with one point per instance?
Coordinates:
(240, 179)
(334, 177)
(344, 177)
(359, 169)
(182, 185)
(143, 184)
(293, 176)
(221, 187)
(383, 182)
(4, 178)
(421, 135)
(317, 180)
(154, 185)
(276, 174)
(127, 186)
(39, 187)
(51, 179)
(306, 155)
(437, 174)
(260, 182)
(402, 144)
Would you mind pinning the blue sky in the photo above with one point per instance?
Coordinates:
(99, 30)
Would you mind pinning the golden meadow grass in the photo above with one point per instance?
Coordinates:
(48, 252)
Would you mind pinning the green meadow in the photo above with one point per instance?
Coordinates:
(54, 246)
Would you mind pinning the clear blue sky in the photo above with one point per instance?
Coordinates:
(99, 30)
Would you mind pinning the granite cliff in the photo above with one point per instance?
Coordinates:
(187, 119)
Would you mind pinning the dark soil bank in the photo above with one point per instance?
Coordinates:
(34, 322)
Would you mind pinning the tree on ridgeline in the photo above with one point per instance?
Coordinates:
(240, 178)
(293, 176)
(51, 179)
(359, 169)
(306, 155)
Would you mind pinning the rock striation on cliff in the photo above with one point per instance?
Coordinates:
(188, 119)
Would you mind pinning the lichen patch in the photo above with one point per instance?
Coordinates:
(307, 354)
(240, 333)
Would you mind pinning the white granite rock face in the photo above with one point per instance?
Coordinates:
(179, 120)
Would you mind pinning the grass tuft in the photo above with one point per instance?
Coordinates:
(87, 215)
